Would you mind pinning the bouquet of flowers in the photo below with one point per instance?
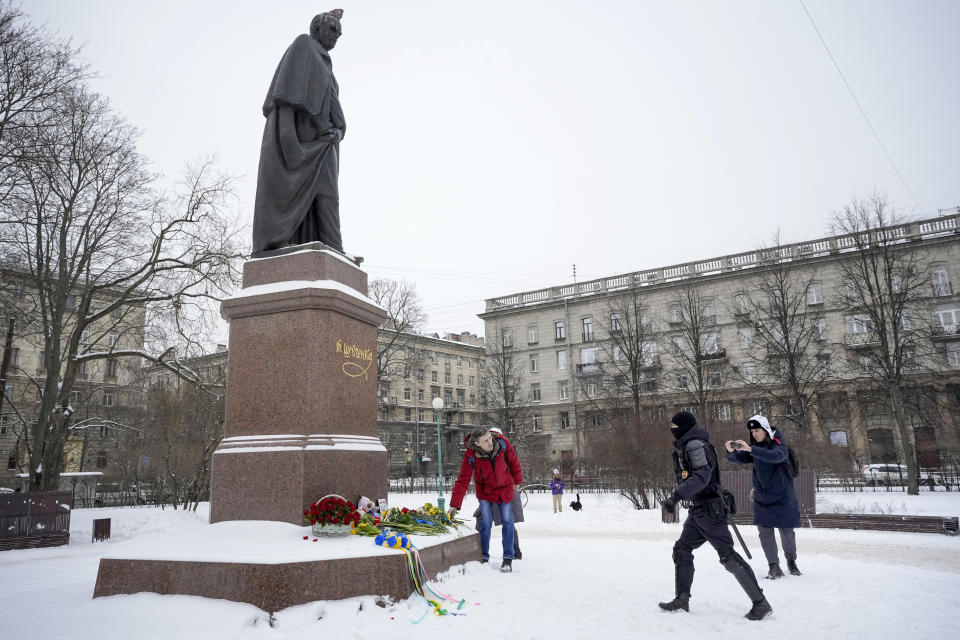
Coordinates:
(332, 510)
(428, 520)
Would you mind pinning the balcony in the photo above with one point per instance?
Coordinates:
(650, 363)
(587, 370)
(944, 332)
(860, 340)
(649, 386)
(714, 354)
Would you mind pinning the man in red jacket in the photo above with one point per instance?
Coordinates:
(493, 463)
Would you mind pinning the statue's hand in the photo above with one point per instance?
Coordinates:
(333, 135)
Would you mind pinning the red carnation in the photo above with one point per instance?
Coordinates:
(404, 510)
(305, 537)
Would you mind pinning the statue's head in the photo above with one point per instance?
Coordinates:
(325, 28)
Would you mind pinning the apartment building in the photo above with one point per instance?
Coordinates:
(562, 335)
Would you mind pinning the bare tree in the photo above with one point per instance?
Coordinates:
(637, 454)
(698, 357)
(630, 350)
(504, 390)
(885, 284)
(99, 252)
(397, 351)
(787, 356)
(35, 69)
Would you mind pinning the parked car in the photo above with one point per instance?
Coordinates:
(878, 475)
(6, 490)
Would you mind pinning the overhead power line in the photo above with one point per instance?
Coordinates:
(862, 112)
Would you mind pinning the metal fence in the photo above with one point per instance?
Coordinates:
(35, 519)
(740, 483)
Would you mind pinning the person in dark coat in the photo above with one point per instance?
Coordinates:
(493, 465)
(698, 485)
(775, 504)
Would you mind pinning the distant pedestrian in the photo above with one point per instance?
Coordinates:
(556, 488)
(698, 483)
(775, 504)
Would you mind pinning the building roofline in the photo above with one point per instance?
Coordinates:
(920, 230)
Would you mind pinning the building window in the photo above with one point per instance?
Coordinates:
(101, 459)
(532, 334)
(722, 412)
(866, 365)
(459, 361)
(469, 363)
(8, 389)
(104, 431)
(682, 381)
(461, 401)
(814, 295)
(820, 332)
(615, 322)
(740, 304)
(617, 353)
(587, 329)
(559, 332)
(434, 393)
(948, 318)
(710, 343)
(591, 389)
(537, 423)
(471, 380)
(714, 378)
(757, 408)
(953, 355)
(679, 344)
(14, 356)
(446, 378)
(108, 398)
(4, 419)
(838, 438)
(858, 323)
(674, 314)
(419, 395)
(82, 368)
(745, 335)
(448, 397)
(709, 315)
(12, 462)
(408, 415)
(112, 339)
(421, 415)
(111, 367)
(507, 338)
(596, 419)
(564, 419)
(434, 376)
(563, 389)
(473, 399)
(459, 379)
(535, 392)
(406, 394)
(750, 373)
(534, 363)
(941, 282)
(562, 359)
(433, 357)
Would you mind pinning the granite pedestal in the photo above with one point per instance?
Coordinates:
(301, 404)
(301, 423)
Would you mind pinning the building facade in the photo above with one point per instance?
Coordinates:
(564, 337)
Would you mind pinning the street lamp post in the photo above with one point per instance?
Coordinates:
(437, 408)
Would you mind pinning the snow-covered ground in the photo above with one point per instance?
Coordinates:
(598, 573)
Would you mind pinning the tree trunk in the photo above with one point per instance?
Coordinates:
(906, 440)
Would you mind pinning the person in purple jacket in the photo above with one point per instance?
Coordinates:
(556, 488)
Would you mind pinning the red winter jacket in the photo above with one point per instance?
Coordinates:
(493, 478)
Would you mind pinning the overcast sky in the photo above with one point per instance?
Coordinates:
(490, 146)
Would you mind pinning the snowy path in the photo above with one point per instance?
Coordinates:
(594, 574)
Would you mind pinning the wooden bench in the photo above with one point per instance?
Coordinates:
(871, 522)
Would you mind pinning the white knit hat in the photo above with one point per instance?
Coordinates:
(556, 472)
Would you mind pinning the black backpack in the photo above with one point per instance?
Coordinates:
(793, 465)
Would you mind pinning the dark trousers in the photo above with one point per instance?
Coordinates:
(698, 528)
(322, 222)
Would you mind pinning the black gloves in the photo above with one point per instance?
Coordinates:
(670, 502)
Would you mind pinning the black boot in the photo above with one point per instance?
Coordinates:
(760, 610)
(775, 572)
(682, 601)
(507, 566)
(792, 568)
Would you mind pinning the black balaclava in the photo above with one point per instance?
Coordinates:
(683, 422)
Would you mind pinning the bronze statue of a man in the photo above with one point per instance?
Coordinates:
(297, 196)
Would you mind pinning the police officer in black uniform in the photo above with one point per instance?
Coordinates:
(698, 483)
